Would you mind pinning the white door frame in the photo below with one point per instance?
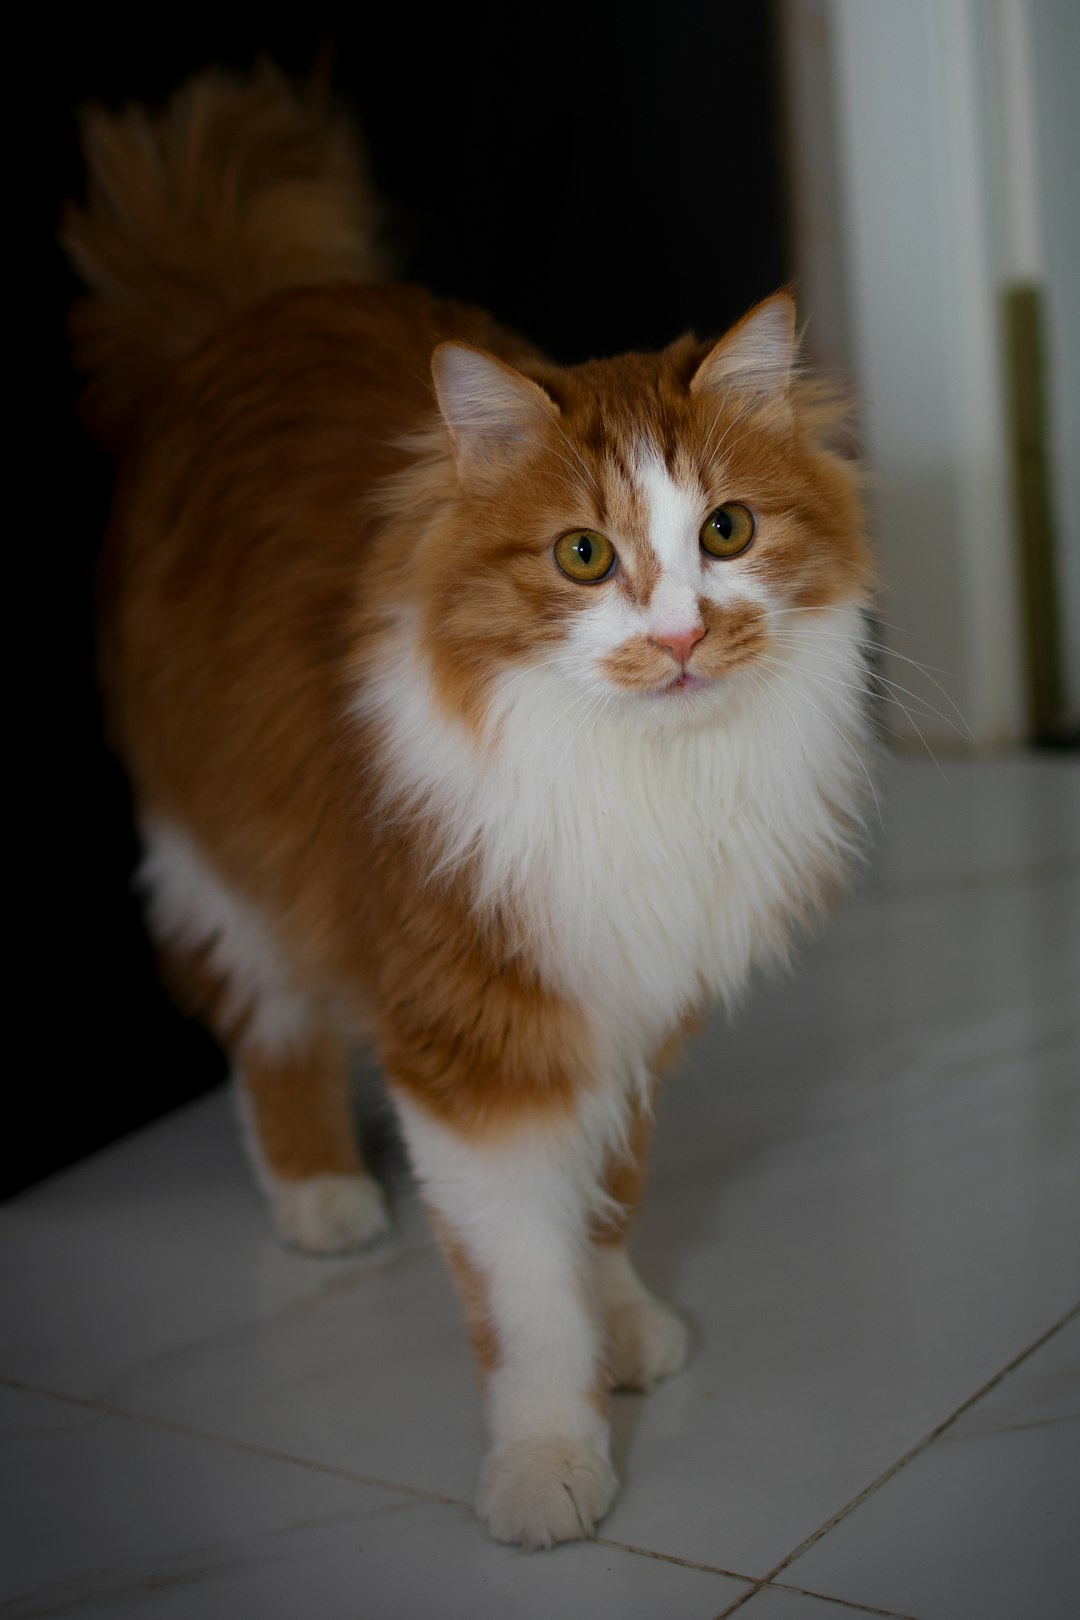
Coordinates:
(913, 157)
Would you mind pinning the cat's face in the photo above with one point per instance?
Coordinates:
(645, 529)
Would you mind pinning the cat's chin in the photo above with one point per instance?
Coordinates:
(688, 700)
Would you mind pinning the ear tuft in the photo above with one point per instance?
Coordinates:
(488, 406)
(756, 355)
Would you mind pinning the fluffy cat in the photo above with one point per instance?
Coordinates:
(496, 713)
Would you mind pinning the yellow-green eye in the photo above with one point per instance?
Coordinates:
(585, 556)
(727, 531)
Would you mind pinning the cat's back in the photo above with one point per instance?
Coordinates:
(297, 404)
(244, 525)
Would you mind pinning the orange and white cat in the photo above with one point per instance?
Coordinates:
(496, 713)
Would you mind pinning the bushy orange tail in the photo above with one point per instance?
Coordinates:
(237, 189)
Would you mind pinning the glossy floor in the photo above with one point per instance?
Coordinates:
(866, 1197)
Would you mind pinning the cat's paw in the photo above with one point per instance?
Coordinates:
(646, 1341)
(328, 1214)
(539, 1492)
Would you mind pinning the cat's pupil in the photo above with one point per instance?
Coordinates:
(722, 524)
(585, 549)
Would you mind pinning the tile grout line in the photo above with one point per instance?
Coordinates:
(842, 1603)
(901, 1463)
(673, 1558)
(189, 1432)
(250, 1448)
(418, 1493)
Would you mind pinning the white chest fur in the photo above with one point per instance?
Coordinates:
(651, 866)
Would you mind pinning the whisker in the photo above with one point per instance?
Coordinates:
(764, 686)
(880, 697)
(846, 740)
(770, 694)
(711, 453)
(872, 619)
(549, 449)
(577, 701)
(599, 699)
(816, 674)
(926, 709)
(560, 657)
(924, 669)
(590, 475)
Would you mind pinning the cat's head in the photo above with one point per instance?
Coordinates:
(640, 527)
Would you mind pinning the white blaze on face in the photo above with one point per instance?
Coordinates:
(675, 516)
(676, 512)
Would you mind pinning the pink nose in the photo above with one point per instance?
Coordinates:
(680, 646)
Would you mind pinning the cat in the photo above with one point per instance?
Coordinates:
(499, 714)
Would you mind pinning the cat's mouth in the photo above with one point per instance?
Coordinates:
(685, 681)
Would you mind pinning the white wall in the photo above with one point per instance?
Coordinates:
(926, 118)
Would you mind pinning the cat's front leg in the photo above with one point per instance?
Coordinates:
(512, 1210)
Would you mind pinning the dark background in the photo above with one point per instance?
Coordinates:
(602, 177)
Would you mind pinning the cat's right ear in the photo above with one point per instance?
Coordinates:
(489, 408)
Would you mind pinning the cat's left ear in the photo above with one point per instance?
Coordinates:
(488, 406)
(755, 356)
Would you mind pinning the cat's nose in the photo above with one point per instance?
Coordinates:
(680, 646)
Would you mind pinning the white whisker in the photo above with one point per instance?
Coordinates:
(926, 710)
(599, 700)
(562, 657)
(846, 740)
(590, 475)
(879, 646)
(821, 679)
(712, 452)
(763, 686)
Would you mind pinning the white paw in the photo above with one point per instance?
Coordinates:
(542, 1491)
(646, 1341)
(328, 1214)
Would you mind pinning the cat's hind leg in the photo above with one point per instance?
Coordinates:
(644, 1339)
(294, 1105)
(289, 1054)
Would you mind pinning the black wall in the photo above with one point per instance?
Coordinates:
(601, 176)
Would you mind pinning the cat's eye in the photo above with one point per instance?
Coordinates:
(585, 556)
(727, 531)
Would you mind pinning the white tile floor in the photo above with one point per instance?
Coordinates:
(866, 1195)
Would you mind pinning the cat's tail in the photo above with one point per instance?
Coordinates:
(238, 188)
